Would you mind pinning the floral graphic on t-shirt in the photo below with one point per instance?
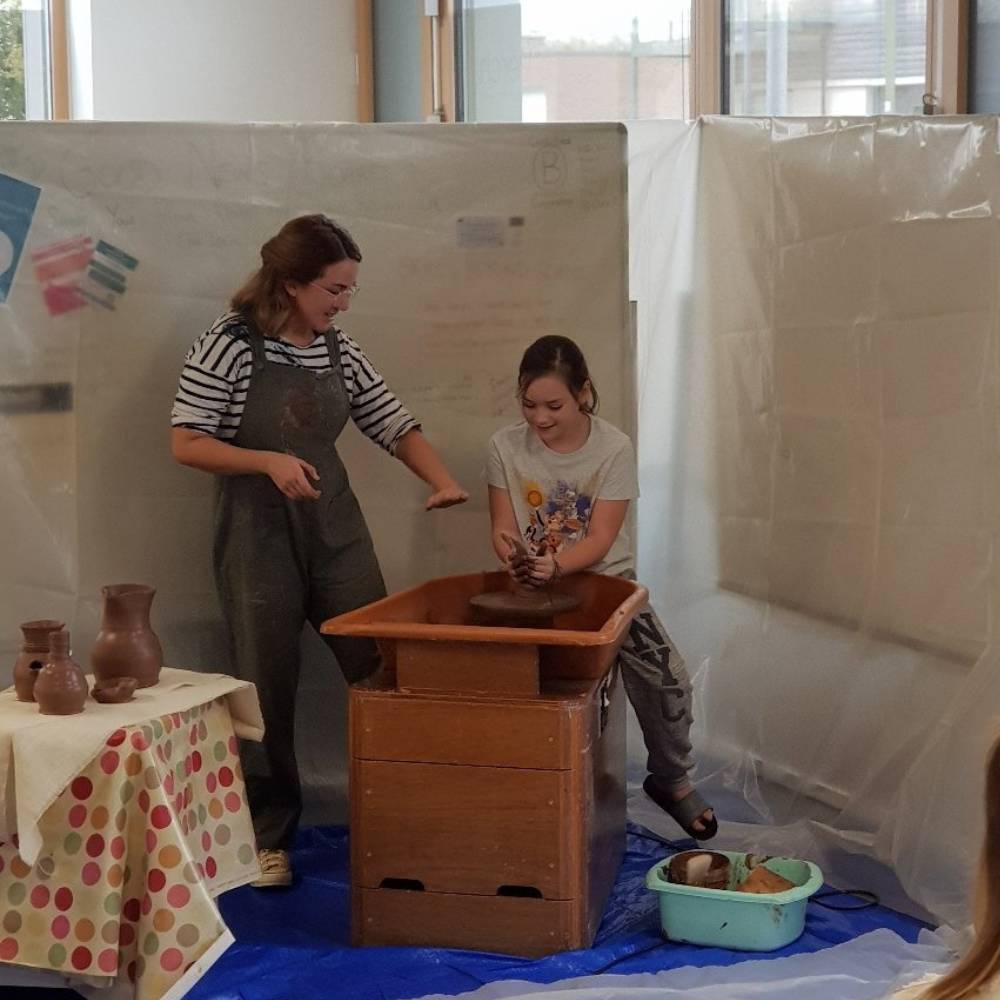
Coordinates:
(557, 520)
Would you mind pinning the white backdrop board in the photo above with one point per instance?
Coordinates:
(476, 240)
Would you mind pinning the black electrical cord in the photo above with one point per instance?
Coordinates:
(865, 898)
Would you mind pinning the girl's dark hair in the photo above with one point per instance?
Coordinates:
(303, 248)
(554, 355)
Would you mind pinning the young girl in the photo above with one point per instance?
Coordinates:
(562, 480)
(263, 396)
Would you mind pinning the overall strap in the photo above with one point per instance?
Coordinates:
(256, 339)
(333, 349)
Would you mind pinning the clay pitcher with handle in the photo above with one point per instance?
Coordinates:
(126, 645)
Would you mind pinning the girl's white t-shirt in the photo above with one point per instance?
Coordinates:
(553, 493)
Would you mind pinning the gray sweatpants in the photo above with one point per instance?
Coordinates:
(659, 689)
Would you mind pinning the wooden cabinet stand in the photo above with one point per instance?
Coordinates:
(493, 823)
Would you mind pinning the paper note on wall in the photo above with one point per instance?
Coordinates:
(17, 207)
(75, 272)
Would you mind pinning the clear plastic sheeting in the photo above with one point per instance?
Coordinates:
(820, 464)
(868, 968)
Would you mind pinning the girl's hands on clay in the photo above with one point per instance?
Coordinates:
(291, 475)
(448, 496)
(544, 569)
(519, 561)
(520, 568)
(530, 570)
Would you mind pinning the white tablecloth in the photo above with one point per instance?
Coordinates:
(41, 754)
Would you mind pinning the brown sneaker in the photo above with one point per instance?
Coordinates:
(275, 869)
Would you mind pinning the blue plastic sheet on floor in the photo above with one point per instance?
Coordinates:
(296, 942)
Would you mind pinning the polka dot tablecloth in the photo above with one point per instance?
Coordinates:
(135, 850)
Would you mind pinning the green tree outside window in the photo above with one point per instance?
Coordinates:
(11, 60)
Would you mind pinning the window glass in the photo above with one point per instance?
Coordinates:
(568, 60)
(24, 59)
(824, 57)
(984, 57)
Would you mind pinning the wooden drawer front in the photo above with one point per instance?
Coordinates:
(466, 829)
(525, 927)
(540, 734)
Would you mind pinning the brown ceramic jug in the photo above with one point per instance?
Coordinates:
(61, 688)
(126, 645)
(34, 653)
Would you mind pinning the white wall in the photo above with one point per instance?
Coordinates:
(223, 60)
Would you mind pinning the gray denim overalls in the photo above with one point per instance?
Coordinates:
(280, 563)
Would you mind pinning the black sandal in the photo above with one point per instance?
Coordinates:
(683, 811)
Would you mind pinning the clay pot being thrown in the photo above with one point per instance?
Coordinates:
(126, 645)
(523, 607)
(61, 688)
(34, 653)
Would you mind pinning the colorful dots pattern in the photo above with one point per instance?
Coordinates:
(188, 935)
(136, 846)
(81, 788)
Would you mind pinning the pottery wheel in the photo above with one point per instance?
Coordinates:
(530, 606)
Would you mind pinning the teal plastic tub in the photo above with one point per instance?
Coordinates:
(737, 920)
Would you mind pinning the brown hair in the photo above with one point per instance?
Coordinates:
(554, 355)
(300, 252)
(982, 963)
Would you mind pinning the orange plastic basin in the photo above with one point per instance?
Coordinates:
(581, 644)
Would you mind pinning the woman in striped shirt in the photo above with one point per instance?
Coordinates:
(263, 396)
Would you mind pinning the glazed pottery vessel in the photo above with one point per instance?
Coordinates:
(34, 653)
(126, 645)
(61, 688)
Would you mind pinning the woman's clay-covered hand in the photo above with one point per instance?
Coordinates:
(446, 497)
(291, 475)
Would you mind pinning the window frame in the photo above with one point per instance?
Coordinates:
(946, 73)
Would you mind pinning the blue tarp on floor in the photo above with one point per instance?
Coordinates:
(295, 942)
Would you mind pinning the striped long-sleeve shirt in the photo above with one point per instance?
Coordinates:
(213, 384)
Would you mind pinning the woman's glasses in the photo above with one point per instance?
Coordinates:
(338, 290)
